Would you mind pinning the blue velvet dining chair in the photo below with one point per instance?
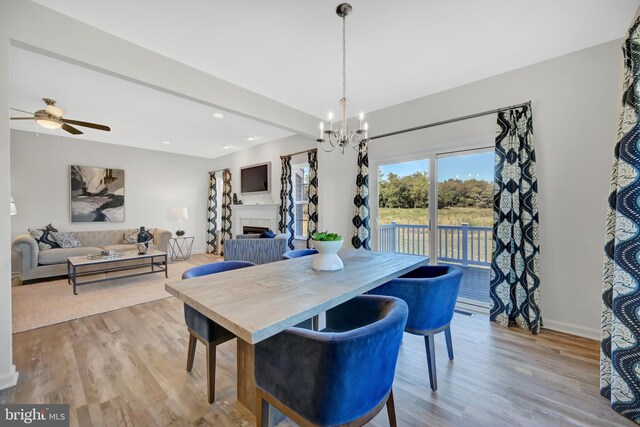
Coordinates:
(297, 253)
(431, 293)
(205, 330)
(341, 375)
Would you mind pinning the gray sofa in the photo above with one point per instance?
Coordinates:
(38, 264)
(249, 247)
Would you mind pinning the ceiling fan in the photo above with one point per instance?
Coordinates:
(51, 118)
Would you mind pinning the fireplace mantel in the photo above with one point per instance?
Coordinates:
(259, 215)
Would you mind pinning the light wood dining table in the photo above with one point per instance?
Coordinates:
(258, 302)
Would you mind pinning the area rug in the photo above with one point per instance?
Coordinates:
(48, 303)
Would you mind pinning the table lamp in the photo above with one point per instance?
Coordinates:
(180, 214)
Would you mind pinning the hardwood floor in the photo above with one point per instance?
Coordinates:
(127, 367)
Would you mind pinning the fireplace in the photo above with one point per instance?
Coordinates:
(255, 217)
(252, 229)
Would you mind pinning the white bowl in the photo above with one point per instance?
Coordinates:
(327, 258)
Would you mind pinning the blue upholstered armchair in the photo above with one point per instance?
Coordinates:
(431, 293)
(205, 330)
(298, 253)
(249, 247)
(340, 375)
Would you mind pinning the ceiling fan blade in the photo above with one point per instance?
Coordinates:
(22, 111)
(22, 118)
(71, 129)
(87, 124)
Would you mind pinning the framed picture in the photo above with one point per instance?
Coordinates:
(97, 194)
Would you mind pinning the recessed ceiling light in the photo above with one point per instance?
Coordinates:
(251, 138)
(166, 142)
(218, 115)
(226, 147)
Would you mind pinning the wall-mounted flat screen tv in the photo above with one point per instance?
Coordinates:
(255, 178)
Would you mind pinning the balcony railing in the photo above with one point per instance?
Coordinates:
(460, 244)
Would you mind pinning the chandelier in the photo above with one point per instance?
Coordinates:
(331, 139)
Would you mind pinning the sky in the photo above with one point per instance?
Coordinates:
(464, 166)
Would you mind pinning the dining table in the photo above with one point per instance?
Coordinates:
(258, 302)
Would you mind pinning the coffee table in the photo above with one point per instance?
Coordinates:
(79, 266)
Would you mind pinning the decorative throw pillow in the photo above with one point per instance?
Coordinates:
(66, 239)
(267, 234)
(131, 236)
(49, 227)
(44, 238)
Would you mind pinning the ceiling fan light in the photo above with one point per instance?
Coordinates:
(49, 124)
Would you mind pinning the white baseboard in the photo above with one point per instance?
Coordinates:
(553, 325)
(9, 379)
(571, 329)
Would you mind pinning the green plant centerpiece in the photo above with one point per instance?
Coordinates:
(327, 244)
(326, 237)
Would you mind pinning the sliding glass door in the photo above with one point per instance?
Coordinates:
(464, 219)
(441, 206)
(403, 207)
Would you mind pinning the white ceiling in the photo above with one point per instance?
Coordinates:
(289, 50)
(138, 116)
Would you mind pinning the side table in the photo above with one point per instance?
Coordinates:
(180, 247)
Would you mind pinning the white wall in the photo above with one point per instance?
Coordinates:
(8, 375)
(575, 104)
(271, 152)
(154, 183)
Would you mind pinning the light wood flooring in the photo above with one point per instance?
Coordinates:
(127, 367)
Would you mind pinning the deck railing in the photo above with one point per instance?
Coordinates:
(461, 244)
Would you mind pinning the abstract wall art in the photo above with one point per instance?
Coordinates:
(97, 194)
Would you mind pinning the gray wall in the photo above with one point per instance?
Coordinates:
(154, 183)
(575, 104)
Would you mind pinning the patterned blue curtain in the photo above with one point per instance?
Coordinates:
(619, 348)
(361, 229)
(515, 296)
(212, 215)
(226, 208)
(286, 200)
(312, 195)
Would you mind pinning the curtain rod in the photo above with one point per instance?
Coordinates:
(218, 170)
(457, 119)
(299, 152)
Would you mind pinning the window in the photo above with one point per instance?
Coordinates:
(301, 201)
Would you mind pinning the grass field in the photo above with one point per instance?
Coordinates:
(448, 216)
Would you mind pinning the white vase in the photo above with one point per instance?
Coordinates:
(327, 258)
